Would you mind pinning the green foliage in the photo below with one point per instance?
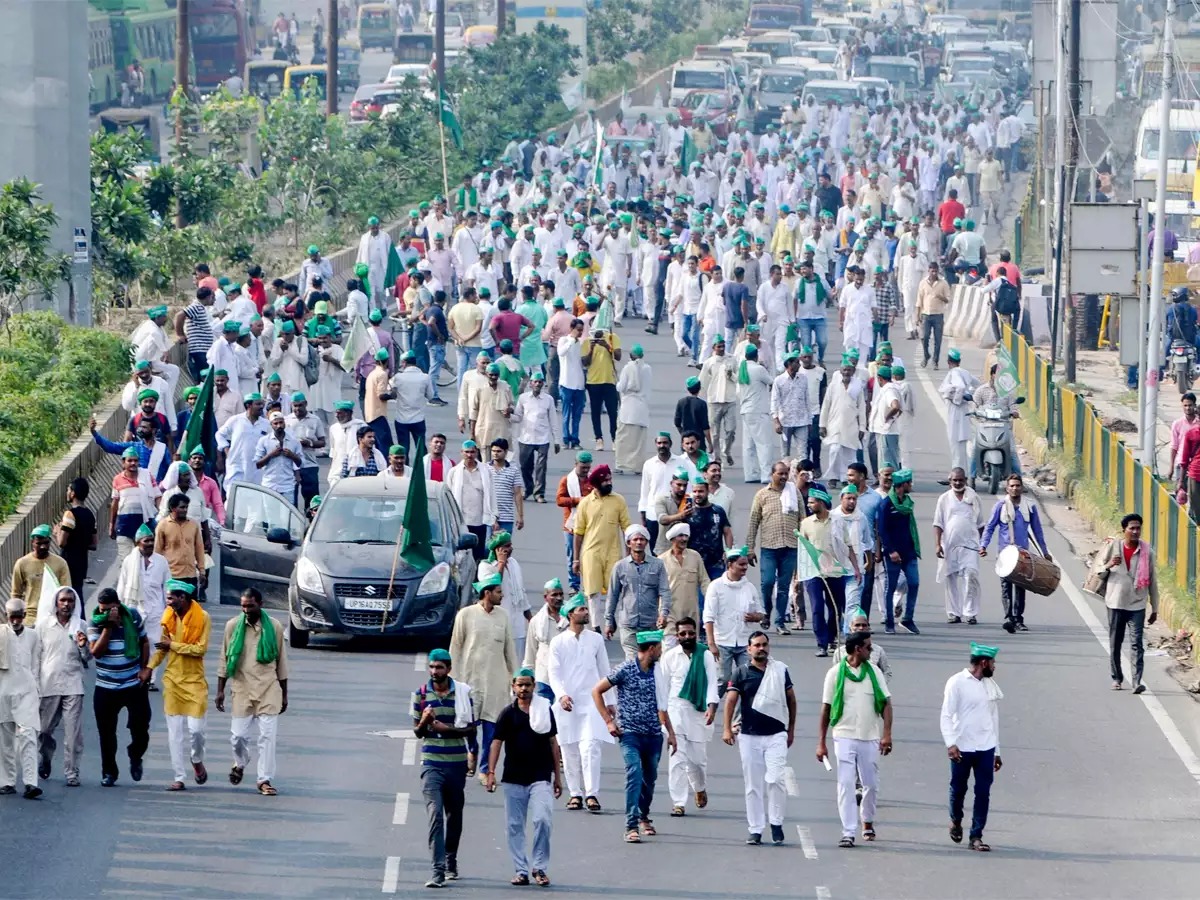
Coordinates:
(606, 80)
(613, 32)
(28, 266)
(51, 375)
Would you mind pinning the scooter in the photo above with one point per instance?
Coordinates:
(1183, 364)
(993, 444)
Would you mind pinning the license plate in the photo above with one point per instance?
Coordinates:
(363, 603)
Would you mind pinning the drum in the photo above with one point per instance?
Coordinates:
(1028, 570)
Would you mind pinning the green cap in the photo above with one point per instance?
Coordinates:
(313, 248)
(175, 585)
(43, 531)
(554, 584)
(144, 531)
(577, 600)
(397, 450)
(343, 405)
(315, 502)
(298, 397)
(147, 394)
(439, 655)
(490, 581)
(274, 378)
(583, 456)
(692, 383)
(850, 489)
(983, 650)
(376, 316)
(381, 354)
(884, 371)
(954, 355)
(904, 476)
(817, 494)
(129, 453)
(649, 637)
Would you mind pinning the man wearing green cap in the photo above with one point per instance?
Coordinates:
(971, 731)
(141, 585)
(288, 357)
(132, 503)
(143, 379)
(639, 724)
(887, 408)
(482, 646)
(376, 251)
(37, 575)
(237, 440)
(898, 544)
(544, 627)
(151, 345)
(856, 704)
(633, 412)
(829, 553)
(315, 266)
(956, 389)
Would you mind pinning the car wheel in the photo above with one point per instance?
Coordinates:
(298, 637)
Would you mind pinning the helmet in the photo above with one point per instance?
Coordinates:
(1179, 295)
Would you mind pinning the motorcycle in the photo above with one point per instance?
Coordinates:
(993, 445)
(1183, 364)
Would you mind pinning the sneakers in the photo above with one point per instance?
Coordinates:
(106, 781)
(599, 444)
(754, 839)
(437, 881)
(44, 771)
(910, 626)
(452, 868)
(1009, 625)
(135, 770)
(782, 630)
(73, 781)
(953, 620)
(1139, 688)
(776, 834)
(32, 792)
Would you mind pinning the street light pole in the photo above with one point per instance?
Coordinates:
(331, 59)
(183, 75)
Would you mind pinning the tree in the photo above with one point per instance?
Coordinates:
(613, 31)
(28, 265)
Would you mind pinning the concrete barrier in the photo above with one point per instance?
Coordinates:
(970, 315)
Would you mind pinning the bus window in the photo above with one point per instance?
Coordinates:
(1180, 144)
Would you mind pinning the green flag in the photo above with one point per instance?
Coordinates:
(201, 428)
(687, 152)
(815, 564)
(394, 267)
(450, 120)
(1007, 381)
(416, 545)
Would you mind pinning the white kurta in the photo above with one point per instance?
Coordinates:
(688, 721)
(19, 682)
(577, 664)
(844, 413)
(289, 363)
(960, 521)
(516, 604)
(633, 386)
(955, 385)
(166, 405)
(342, 438)
(238, 438)
(328, 389)
(373, 250)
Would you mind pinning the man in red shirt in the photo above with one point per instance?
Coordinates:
(1189, 474)
(950, 215)
(203, 278)
(436, 464)
(1007, 268)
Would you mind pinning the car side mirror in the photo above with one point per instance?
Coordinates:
(466, 542)
(278, 535)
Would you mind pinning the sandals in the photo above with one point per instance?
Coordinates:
(978, 844)
(632, 836)
(701, 799)
(200, 773)
(519, 880)
(868, 833)
(236, 774)
(676, 812)
(472, 761)
(648, 828)
(176, 786)
(575, 803)
(846, 842)
(592, 804)
(267, 790)
(539, 877)
(956, 832)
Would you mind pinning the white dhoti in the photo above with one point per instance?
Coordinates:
(909, 298)
(958, 569)
(185, 738)
(629, 447)
(687, 767)
(707, 333)
(840, 458)
(763, 760)
(677, 330)
(581, 763)
(959, 455)
(760, 447)
(239, 727)
(18, 748)
(861, 759)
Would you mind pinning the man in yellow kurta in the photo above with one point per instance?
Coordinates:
(600, 522)
(254, 665)
(686, 575)
(491, 407)
(183, 644)
(28, 573)
(485, 657)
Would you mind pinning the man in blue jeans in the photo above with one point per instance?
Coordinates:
(897, 539)
(641, 716)
(773, 523)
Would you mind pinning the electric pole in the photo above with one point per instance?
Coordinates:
(439, 45)
(1070, 176)
(183, 74)
(500, 14)
(331, 59)
(1153, 321)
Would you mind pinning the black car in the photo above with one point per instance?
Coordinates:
(345, 576)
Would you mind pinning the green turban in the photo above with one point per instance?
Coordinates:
(155, 311)
(439, 655)
(147, 394)
(181, 586)
(496, 541)
(884, 371)
(649, 637)
(577, 600)
(144, 531)
(42, 531)
(904, 476)
(817, 494)
(984, 651)
(191, 392)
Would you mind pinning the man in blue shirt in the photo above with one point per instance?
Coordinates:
(898, 542)
(1015, 524)
(869, 500)
(641, 718)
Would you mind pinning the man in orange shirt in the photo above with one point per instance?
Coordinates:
(950, 215)
(572, 488)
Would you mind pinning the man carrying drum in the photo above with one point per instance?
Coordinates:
(1017, 523)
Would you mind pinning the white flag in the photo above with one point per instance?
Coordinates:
(658, 99)
(625, 101)
(572, 138)
(357, 343)
(573, 95)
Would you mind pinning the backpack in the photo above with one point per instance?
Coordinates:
(1008, 300)
(312, 365)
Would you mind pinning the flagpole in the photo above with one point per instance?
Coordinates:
(445, 177)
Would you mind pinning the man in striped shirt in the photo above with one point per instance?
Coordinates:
(883, 310)
(198, 336)
(118, 685)
(444, 733)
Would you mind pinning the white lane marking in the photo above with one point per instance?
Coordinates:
(391, 875)
(419, 663)
(410, 751)
(1154, 706)
(395, 733)
(806, 842)
(823, 893)
(790, 782)
(400, 815)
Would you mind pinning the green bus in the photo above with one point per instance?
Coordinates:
(104, 88)
(143, 31)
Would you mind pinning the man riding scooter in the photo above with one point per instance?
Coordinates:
(991, 439)
(1180, 332)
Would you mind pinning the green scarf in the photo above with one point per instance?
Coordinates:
(268, 648)
(133, 647)
(839, 689)
(905, 508)
(743, 373)
(695, 683)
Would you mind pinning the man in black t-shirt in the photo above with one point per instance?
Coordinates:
(711, 531)
(531, 780)
(764, 738)
(76, 534)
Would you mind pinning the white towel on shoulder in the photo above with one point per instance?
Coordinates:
(539, 714)
(463, 715)
(771, 699)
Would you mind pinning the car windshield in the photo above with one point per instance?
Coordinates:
(896, 73)
(840, 94)
(702, 79)
(774, 16)
(347, 519)
(374, 18)
(781, 84)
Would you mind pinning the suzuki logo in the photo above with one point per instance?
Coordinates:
(370, 590)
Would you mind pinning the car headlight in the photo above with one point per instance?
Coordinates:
(308, 578)
(435, 581)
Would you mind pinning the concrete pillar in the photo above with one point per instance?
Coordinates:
(44, 126)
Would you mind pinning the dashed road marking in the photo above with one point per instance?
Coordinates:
(823, 893)
(410, 751)
(391, 875)
(806, 842)
(400, 815)
(419, 663)
(790, 783)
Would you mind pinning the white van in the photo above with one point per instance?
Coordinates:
(828, 89)
(1182, 142)
(701, 75)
